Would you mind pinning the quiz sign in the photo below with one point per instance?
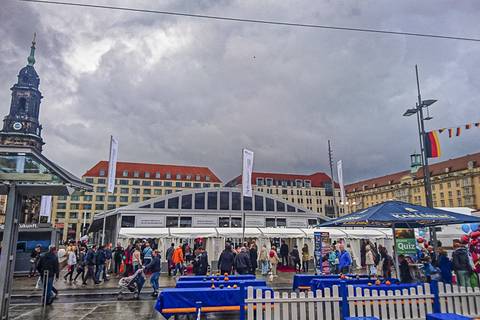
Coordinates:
(406, 244)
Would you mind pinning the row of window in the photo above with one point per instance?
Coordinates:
(223, 222)
(156, 175)
(223, 200)
(72, 215)
(269, 182)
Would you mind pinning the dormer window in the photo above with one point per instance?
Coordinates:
(197, 177)
(207, 178)
(125, 173)
(102, 173)
(168, 175)
(189, 177)
(147, 174)
(157, 175)
(178, 176)
(260, 182)
(136, 174)
(307, 183)
(269, 182)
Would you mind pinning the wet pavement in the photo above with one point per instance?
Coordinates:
(77, 302)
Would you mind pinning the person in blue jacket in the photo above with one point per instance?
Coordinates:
(154, 267)
(445, 265)
(345, 260)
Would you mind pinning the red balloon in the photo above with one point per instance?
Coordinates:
(420, 240)
(464, 239)
(474, 242)
(475, 234)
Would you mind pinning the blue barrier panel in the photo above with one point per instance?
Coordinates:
(436, 297)
(344, 302)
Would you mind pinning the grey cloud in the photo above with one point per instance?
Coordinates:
(189, 91)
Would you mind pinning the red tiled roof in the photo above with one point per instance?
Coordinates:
(163, 169)
(317, 179)
(438, 168)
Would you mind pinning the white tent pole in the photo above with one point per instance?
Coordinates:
(395, 256)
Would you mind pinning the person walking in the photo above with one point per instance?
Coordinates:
(295, 255)
(80, 265)
(49, 263)
(200, 262)
(284, 253)
(178, 260)
(305, 257)
(370, 261)
(169, 256)
(242, 261)
(253, 257)
(461, 265)
(90, 262)
(147, 254)
(386, 261)
(108, 258)
(344, 260)
(71, 262)
(273, 260)
(154, 267)
(34, 257)
(100, 264)
(128, 260)
(226, 260)
(137, 258)
(118, 253)
(263, 258)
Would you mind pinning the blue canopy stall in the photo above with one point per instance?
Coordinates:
(398, 214)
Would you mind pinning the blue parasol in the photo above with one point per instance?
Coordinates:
(398, 214)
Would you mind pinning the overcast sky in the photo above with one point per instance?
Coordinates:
(188, 91)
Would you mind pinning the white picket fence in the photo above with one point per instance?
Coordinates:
(459, 300)
(301, 306)
(412, 303)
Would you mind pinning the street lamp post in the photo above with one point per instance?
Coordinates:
(418, 110)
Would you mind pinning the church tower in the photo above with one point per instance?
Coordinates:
(21, 126)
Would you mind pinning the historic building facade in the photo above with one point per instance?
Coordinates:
(455, 183)
(135, 182)
(21, 127)
(313, 192)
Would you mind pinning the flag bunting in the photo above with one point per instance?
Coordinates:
(457, 131)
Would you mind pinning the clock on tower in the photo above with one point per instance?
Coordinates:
(21, 125)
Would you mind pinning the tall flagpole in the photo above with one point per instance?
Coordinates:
(242, 201)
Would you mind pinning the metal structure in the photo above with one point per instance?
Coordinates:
(330, 162)
(24, 171)
(418, 110)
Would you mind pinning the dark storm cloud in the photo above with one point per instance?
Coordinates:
(187, 91)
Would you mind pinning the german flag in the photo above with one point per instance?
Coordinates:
(432, 144)
(459, 131)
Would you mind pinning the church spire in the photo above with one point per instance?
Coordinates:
(31, 57)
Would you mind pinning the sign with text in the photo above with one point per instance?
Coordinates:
(406, 244)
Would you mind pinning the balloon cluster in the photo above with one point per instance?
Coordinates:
(471, 238)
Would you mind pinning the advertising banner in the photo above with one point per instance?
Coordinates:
(112, 164)
(406, 244)
(247, 173)
(45, 209)
(340, 181)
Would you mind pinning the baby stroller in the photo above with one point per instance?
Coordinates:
(133, 284)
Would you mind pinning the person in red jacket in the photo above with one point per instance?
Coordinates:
(178, 260)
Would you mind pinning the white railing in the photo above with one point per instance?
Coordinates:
(412, 303)
(459, 300)
(321, 305)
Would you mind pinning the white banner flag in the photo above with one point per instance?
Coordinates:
(247, 173)
(112, 164)
(45, 209)
(340, 181)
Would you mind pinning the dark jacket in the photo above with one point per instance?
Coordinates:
(118, 254)
(295, 255)
(170, 253)
(254, 257)
(90, 258)
(284, 250)
(200, 264)
(100, 257)
(108, 254)
(446, 268)
(460, 261)
(154, 265)
(242, 261)
(225, 262)
(49, 262)
(405, 275)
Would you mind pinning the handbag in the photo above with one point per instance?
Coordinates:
(122, 268)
